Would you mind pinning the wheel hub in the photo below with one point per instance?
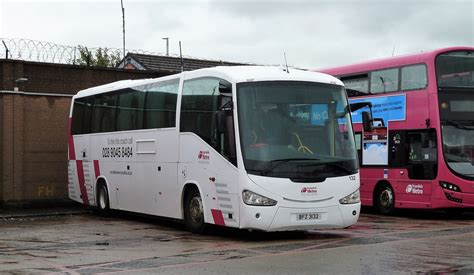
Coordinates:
(386, 198)
(196, 210)
(102, 200)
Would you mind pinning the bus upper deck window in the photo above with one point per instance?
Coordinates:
(414, 77)
(384, 81)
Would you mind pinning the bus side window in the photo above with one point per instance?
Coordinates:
(384, 81)
(81, 116)
(77, 126)
(358, 144)
(87, 116)
(130, 110)
(200, 103)
(414, 77)
(356, 85)
(104, 108)
(160, 105)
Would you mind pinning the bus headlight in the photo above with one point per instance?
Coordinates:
(251, 198)
(352, 198)
(449, 186)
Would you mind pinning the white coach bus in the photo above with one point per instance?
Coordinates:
(248, 147)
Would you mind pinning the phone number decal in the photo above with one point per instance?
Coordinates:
(117, 152)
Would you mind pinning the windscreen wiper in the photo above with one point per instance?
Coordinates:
(281, 161)
(333, 164)
(459, 126)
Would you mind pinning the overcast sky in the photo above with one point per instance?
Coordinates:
(314, 34)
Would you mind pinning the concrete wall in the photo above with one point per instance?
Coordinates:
(33, 141)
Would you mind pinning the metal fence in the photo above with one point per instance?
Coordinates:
(41, 51)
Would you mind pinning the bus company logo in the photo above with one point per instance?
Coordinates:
(414, 189)
(203, 155)
(309, 191)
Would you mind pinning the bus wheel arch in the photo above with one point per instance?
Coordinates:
(102, 196)
(193, 208)
(384, 198)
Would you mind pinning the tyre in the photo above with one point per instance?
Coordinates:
(103, 205)
(193, 212)
(385, 200)
(454, 213)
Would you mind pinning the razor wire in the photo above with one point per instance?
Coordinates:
(47, 52)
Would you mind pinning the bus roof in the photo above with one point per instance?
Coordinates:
(235, 74)
(389, 62)
(264, 73)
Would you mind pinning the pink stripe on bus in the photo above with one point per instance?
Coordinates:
(72, 152)
(82, 182)
(96, 168)
(218, 217)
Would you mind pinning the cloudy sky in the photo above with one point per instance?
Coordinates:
(314, 34)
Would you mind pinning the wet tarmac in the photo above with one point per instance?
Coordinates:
(411, 242)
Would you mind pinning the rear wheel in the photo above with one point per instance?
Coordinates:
(194, 212)
(385, 199)
(103, 200)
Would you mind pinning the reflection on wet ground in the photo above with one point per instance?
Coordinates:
(412, 241)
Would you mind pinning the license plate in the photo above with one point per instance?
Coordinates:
(308, 216)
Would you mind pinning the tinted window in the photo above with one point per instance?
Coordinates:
(414, 77)
(384, 81)
(421, 154)
(88, 115)
(103, 116)
(199, 102)
(160, 107)
(130, 106)
(356, 85)
(455, 69)
(77, 126)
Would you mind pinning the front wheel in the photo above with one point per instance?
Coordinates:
(385, 200)
(454, 213)
(194, 212)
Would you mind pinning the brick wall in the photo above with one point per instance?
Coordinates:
(33, 141)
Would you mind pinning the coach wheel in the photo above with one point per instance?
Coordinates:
(103, 199)
(194, 212)
(385, 200)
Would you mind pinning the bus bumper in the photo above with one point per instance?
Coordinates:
(281, 218)
(451, 199)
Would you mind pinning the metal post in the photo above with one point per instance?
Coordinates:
(181, 55)
(167, 45)
(6, 49)
(123, 28)
(74, 60)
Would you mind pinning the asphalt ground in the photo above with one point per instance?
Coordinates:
(77, 241)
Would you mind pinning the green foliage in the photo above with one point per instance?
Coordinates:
(99, 58)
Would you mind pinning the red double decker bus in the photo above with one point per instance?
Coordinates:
(418, 148)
